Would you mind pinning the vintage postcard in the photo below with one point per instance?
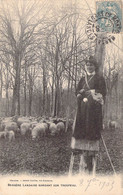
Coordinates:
(61, 97)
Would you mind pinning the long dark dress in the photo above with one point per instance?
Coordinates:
(89, 119)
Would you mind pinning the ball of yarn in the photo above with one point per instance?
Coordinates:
(85, 100)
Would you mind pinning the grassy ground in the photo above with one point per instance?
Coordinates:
(51, 155)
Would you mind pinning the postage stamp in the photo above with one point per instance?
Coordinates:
(93, 29)
(106, 20)
(109, 14)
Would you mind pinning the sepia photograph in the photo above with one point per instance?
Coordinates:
(61, 97)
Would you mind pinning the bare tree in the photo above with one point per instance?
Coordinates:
(17, 35)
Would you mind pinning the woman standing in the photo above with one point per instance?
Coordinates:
(90, 92)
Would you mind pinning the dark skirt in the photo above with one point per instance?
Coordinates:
(88, 120)
(85, 145)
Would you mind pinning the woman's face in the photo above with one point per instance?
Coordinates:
(90, 67)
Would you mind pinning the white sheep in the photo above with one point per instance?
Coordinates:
(52, 128)
(11, 135)
(4, 122)
(25, 128)
(11, 126)
(33, 124)
(38, 130)
(22, 120)
(113, 125)
(60, 127)
(46, 128)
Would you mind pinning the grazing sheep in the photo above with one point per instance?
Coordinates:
(33, 124)
(46, 128)
(35, 133)
(11, 126)
(38, 130)
(4, 122)
(113, 125)
(7, 119)
(52, 128)
(14, 118)
(11, 135)
(25, 128)
(60, 128)
(22, 120)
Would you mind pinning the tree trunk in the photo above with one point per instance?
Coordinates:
(7, 103)
(18, 96)
(7, 96)
(100, 57)
(44, 89)
(52, 96)
(25, 88)
(14, 99)
(58, 98)
(55, 104)
(40, 104)
(1, 83)
(100, 53)
(30, 97)
(56, 82)
(16, 89)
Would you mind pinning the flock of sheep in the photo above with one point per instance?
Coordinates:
(10, 127)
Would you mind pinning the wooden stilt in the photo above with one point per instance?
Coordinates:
(82, 164)
(71, 164)
(94, 163)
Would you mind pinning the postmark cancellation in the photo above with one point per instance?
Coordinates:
(106, 20)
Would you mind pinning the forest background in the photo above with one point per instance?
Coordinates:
(43, 46)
